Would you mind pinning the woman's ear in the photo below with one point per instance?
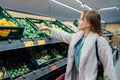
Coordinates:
(88, 24)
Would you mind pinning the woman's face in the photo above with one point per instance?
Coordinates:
(82, 23)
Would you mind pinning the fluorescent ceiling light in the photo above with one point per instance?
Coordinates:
(87, 7)
(108, 8)
(102, 21)
(79, 2)
(83, 5)
(66, 5)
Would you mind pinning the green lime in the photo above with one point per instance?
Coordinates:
(13, 76)
(1, 74)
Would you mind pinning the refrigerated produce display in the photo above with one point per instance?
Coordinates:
(31, 30)
(58, 24)
(36, 62)
(30, 54)
(118, 31)
(55, 24)
(26, 62)
(40, 23)
(9, 26)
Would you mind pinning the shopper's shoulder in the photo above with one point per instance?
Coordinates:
(102, 40)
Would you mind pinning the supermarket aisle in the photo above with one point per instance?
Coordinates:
(117, 68)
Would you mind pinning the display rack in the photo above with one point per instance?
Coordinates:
(118, 31)
(23, 43)
(6, 78)
(109, 37)
(43, 71)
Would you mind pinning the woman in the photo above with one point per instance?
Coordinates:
(82, 61)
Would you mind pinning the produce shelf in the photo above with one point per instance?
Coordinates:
(9, 26)
(118, 31)
(107, 34)
(110, 41)
(40, 23)
(23, 43)
(7, 16)
(43, 71)
(67, 29)
(5, 78)
(31, 30)
(109, 37)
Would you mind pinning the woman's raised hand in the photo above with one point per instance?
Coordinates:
(44, 28)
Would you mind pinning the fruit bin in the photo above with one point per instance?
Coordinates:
(118, 31)
(54, 24)
(7, 32)
(40, 60)
(106, 31)
(31, 30)
(64, 26)
(40, 23)
(108, 34)
(44, 55)
(59, 25)
(3, 72)
(16, 62)
(59, 52)
(9, 27)
(7, 16)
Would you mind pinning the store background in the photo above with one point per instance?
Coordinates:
(51, 10)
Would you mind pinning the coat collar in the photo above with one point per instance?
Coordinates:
(77, 37)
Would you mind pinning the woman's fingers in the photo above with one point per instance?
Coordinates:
(43, 28)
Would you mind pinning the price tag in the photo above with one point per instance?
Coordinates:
(41, 42)
(54, 67)
(28, 43)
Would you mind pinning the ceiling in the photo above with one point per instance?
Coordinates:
(50, 8)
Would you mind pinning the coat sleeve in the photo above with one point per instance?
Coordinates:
(106, 58)
(61, 35)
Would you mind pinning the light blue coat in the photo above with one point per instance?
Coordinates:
(88, 60)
